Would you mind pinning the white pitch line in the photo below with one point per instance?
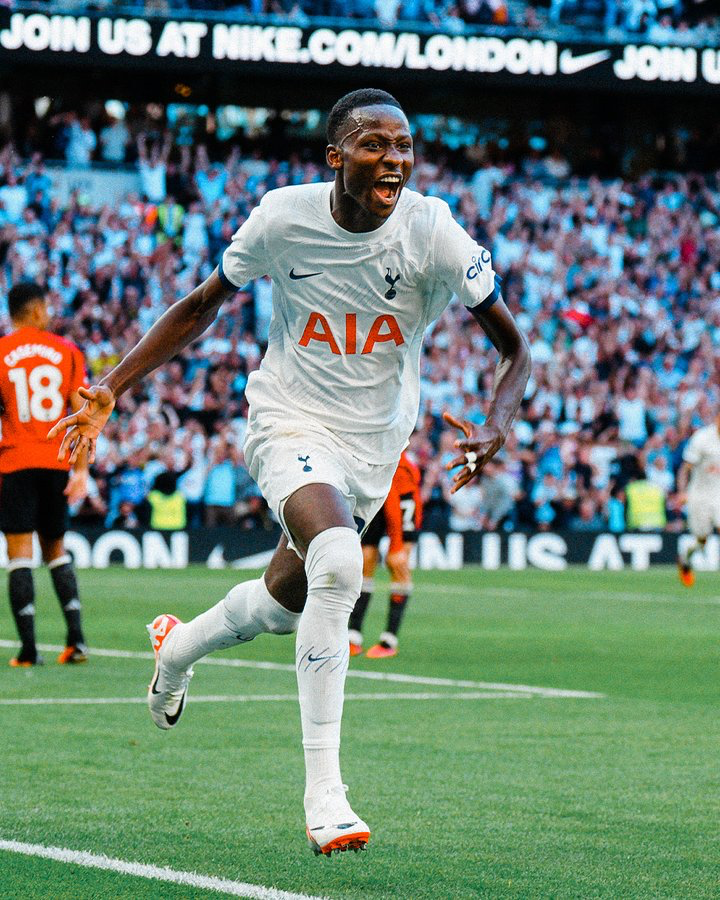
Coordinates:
(260, 698)
(395, 677)
(157, 873)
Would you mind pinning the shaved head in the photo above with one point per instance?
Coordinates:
(343, 118)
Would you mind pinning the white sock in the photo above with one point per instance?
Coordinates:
(334, 573)
(692, 550)
(248, 610)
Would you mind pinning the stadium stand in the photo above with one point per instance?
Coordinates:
(677, 22)
(616, 282)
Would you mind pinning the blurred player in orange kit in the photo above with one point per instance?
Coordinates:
(39, 377)
(400, 518)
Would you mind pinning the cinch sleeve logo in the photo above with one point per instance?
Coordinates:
(384, 328)
(477, 265)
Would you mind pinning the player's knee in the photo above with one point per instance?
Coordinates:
(334, 567)
(255, 598)
(399, 567)
(287, 588)
(286, 626)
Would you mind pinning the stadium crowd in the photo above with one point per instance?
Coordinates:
(616, 283)
(681, 22)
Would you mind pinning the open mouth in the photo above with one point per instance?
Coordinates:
(387, 188)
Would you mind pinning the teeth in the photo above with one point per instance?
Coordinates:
(391, 179)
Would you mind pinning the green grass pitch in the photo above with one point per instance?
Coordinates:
(529, 796)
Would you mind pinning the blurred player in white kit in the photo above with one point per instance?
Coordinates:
(360, 267)
(701, 468)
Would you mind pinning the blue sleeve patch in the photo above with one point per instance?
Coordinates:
(491, 298)
(225, 280)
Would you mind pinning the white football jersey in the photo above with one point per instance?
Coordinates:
(702, 451)
(350, 310)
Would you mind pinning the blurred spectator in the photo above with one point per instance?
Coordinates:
(616, 511)
(588, 517)
(221, 487)
(114, 140)
(498, 495)
(152, 166)
(167, 504)
(80, 141)
(466, 512)
(92, 509)
(126, 517)
(14, 198)
(645, 505)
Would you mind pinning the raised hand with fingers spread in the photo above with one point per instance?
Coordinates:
(478, 448)
(84, 426)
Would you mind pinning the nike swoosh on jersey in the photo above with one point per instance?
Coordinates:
(298, 277)
(570, 65)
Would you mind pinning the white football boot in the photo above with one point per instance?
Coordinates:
(333, 826)
(167, 691)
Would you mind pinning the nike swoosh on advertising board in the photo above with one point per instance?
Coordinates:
(570, 65)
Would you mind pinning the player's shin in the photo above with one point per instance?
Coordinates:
(687, 554)
(357, 616)
(334, 573)
(65, 584)
(22, 603)
(245, 612)
(399, 596)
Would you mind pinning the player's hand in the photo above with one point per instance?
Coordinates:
(84, 426)
(478, 448)
(77, 487)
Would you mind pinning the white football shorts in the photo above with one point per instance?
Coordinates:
(703, 513)
(286, 452)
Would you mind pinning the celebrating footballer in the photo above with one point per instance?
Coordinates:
(360, 265)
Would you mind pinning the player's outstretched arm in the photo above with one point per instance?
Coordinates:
(511, 377)
(176, 328)
(77, 486)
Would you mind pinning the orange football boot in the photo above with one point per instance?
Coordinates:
(686, 574)
(379, 651)
(73, 655)
(19, 663)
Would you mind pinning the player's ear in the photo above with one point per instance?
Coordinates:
(334, 157)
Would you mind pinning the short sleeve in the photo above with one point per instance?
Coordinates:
(246, 257)
(79, 372)
(462, 265)
(693, 451)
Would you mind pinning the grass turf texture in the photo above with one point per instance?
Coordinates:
(591, 798)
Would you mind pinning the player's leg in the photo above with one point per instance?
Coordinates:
(700, 524)
(21, 589)
(52, 523)
(62, 572)
(400, 589)
(19, 500)
(269, 604)
(370, 552)
(321, 523)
